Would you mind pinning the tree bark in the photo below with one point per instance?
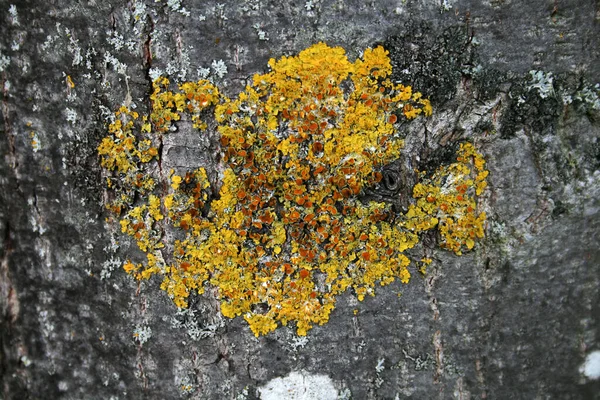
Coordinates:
(517, 317)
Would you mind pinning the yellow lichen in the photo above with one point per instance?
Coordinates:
(447, 199)
(287, 233)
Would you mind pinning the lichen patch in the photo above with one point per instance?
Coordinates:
(287, 233)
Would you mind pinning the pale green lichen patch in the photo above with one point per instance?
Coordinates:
(287, 233)
(299, 385)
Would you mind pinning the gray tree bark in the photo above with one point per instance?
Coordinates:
(518, 317)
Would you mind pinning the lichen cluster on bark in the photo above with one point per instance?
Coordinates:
(515, 317)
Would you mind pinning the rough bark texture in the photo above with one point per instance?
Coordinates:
(515, 318)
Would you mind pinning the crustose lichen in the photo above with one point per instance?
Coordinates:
(287, 233)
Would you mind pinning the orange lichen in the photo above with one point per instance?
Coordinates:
(447, 200)
(287, 233)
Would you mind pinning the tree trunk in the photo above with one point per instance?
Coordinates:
(516, 317)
